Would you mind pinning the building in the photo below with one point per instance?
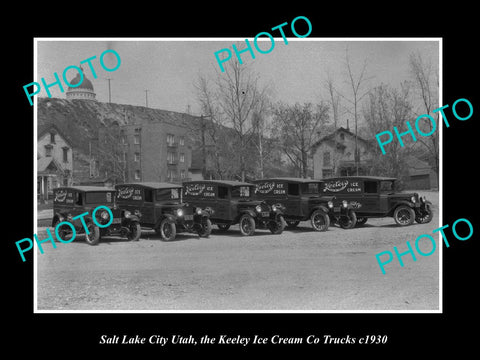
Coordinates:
(84, 91)
(156, 151)
(334, 155)
(54, 161)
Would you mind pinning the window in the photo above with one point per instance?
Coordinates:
(171, 157)
(98, 197)
(326, 158)
(48, 150)
(124, 139)
(293, 189)
(170, 139)
(148, 195)
(52, 138)
(181, 141)
(136, 139)
(310, 188)
(137, 157)
(182, 158)
(222, 192)
(342, 136)
(370, 187)
(65, 154)
(137, 174)
(182, 174)
(241, 191)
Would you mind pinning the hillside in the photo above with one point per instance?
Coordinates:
(79, 120)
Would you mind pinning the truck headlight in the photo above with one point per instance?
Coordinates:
(179, 212)
(199, 211)
(258, 208)
(127, 214)
(104, 215)
(330, 204)
(274, 207)
(413, 199)
(344, 203)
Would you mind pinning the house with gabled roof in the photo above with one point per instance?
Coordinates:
(54, 161)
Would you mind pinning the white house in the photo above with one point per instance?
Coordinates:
(54, 162)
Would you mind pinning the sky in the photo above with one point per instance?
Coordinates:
(168, 67)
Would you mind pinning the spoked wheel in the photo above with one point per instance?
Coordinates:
(276, 227)
(94, 237)
(320, 221)
(167, 230)
(206, 228)
(247, 225)
(63, 231)
(348, 221)
(404, 215)
(135, 232)
(424, 216)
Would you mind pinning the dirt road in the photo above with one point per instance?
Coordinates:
(298, 270)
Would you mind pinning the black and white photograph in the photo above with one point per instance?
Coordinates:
(221, 179)
(243, 181)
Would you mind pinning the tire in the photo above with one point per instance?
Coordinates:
(276, 227)
(94, 237)
(404, 215)
(206, 228)
(61, 232)
(223, 227)
(247, 225)
(167, 230)
(424, 217)
(349, 221)
(292, 224)
(319, 220)
(135, 232)
(361, 221)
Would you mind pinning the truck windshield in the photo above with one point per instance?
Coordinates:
(241, 192)
(168, 194)
(387, 186)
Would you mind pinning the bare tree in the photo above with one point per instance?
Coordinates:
(357, 83)
(334, 99)
(110, 154)
(389, 107)
(298, 127)
(426, 83)
(232, 101)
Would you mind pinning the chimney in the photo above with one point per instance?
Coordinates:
(348, 127)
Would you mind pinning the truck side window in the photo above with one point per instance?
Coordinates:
(371, 187)
(222, 192)
(78, 198)
(293, 189)
(148, 193)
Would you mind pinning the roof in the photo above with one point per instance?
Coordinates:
(86, 188)
(375, 178)
(44, 162)
(220, 182)
(290, 179)
(85, 84)
(153, 185)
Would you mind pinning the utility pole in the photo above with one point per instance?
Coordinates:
(146, 98)
(109, 91)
